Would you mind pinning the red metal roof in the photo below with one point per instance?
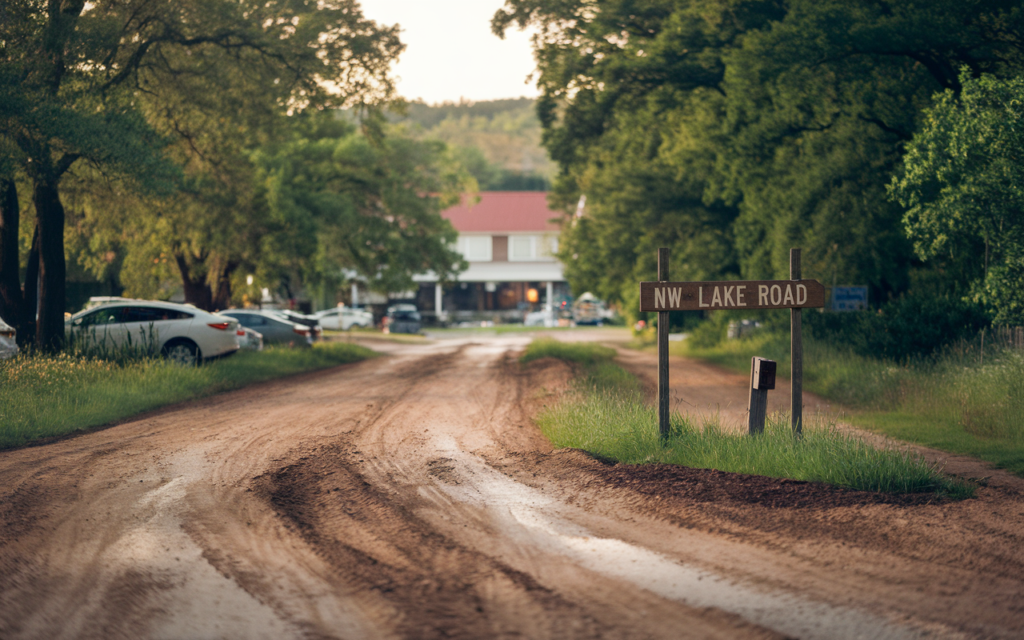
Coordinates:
(504, 211)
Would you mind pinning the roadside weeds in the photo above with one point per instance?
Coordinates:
(606, 416)
(52, 396)
(962, 401)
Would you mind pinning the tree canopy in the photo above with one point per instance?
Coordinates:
(175, 130)
(733, 130)
(963, 188)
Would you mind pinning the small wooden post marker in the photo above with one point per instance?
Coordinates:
(762, 378)
(663, 426)
(796, 351)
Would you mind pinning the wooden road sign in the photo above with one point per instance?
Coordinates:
(793, 294)
(740, 294)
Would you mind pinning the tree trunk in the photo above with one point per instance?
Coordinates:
(31, 295)
(222, 299)
(197, 290)
(52, 270)
(12, 301)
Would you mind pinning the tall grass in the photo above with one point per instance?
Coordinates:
(595, 369)
(611, 420)
(964, 399)
(45, 396)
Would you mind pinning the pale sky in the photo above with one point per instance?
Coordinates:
(451, 53)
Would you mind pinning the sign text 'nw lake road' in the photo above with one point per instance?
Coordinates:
(743, 294)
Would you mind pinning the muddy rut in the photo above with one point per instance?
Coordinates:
(411, 496)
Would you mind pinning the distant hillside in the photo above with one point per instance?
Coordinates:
(498, 140)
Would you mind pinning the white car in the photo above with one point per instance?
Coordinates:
(344, 318)
(181, 332)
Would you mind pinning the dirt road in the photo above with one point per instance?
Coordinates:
(410, 496)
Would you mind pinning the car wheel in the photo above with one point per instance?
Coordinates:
(183, 352)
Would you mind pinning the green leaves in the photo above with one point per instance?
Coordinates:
(961, 186)
(339, 200)
(733, 130)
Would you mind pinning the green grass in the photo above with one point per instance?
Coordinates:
(606, 416)
(595, 367)
(957, 401)
(508, 328)
(48, 396)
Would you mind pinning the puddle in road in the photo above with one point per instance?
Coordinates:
(792, 615)
(196, 600)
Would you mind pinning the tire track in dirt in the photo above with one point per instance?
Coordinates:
(448, 584)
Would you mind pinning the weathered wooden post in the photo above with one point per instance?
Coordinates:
(663, 322)
(796, 350)
(762, 378)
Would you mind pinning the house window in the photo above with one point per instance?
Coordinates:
(475, 248)
(522, 248)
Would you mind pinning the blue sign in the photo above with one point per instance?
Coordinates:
(849, 298)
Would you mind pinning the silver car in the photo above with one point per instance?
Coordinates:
(274, 328)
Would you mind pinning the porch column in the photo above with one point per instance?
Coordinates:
(438, 311)
(550, 306)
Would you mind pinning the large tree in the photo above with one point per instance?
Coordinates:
(320, 199)
(963, 188)
(111, 81)
(735, 129)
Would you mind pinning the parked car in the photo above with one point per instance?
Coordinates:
(344, 318)
(542, 318)
(402, 318)
(249, 339)
(181, 332)
(300, 318)
(8, 344)
(589, 310)
(274, 328)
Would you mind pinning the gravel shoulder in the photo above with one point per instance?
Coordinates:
(411, 496)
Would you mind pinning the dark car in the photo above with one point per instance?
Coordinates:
(274, 328)
(403, 318)
(312, 322)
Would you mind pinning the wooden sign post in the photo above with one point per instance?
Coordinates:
(794, 294)
(796, 351)
(663, 322)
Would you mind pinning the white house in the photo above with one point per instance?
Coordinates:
(509, 239)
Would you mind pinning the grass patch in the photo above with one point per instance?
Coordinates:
(508, 328)
(606, 416)
(48, 396)
(961, 400)
(594, 366)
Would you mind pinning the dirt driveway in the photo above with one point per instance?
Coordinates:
(410, 496)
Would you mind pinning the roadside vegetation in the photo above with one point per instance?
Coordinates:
(962, 399)
(44, 396)
(606, 415)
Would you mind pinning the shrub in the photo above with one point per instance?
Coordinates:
(910, 327)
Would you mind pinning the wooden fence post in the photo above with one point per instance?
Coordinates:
(796, 351)
(663, 321)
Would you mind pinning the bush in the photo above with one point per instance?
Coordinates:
(910, 327)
